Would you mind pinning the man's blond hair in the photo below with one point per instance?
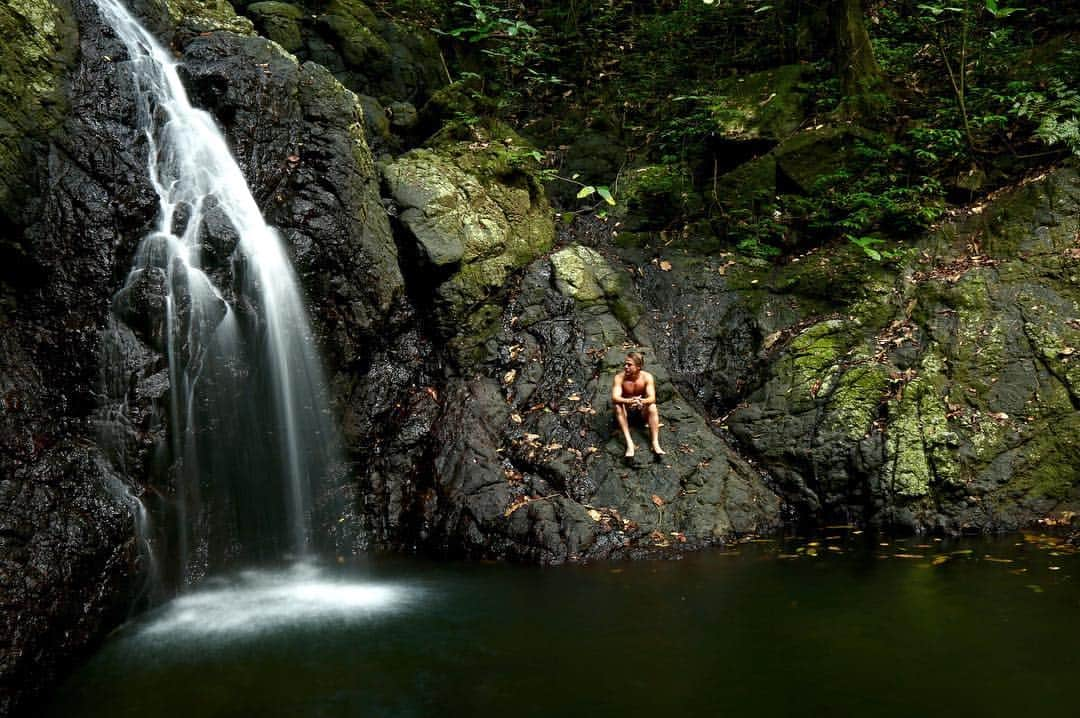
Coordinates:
(637, 358)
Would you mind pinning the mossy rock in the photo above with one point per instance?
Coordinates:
(766, 105)
(472, 222)
(750, 187)
(805, 157)
(359, 46)
(280, 22)
(655, 196)
(584, 275)
(199, 16)
(920, 444)
(40, 42)
(375, 55)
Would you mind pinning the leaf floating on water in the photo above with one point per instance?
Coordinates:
(1035, 588)
(665, 265)
(594, 514)
(908, 555)
(938, 560)
(1055, 568)
(516, 418)
(962, 552)
(995, 559)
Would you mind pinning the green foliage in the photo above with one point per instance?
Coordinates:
(1052, 103)
(515, 51)
(487, 22)
(867, 245)
(961, 40)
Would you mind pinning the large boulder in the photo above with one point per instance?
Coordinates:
(524, 459)
(472, 215)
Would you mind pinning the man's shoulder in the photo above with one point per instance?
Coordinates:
(647, 376)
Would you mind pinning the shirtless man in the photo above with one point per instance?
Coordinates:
(635, 390)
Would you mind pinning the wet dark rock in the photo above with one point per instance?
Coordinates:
(470, 362)
(928, 402)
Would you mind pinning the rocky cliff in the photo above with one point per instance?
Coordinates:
(471, 340)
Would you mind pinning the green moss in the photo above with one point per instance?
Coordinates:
(813, 358)
(655, 196)
(207, 16)
(467, 217)
(763, 105)
(853, 406)
(584, 275)
(39, 45)
(921, 445)
(1046, 466)
(280, 22)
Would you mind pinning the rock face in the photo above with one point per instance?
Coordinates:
(471, 220)
(522, 460)
(472, 346)
(79, 200)
(948, 399)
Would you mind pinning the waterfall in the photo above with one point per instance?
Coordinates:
(249, 424)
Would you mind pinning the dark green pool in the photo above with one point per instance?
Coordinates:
(914, 628)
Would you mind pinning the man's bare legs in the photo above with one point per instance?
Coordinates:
(624, 424)
(654, 429)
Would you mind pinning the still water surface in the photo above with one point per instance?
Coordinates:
(917, 627)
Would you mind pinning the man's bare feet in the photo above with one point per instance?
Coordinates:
(658, 451)
(629, 452)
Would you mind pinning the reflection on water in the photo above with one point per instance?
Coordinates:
(832, 626)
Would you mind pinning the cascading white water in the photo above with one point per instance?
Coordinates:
(248, 405)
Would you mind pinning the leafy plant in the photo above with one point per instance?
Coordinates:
(952, 28)
(486, 22)
(867, 244)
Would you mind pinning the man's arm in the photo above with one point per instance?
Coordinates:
(650, 390)
(616, 391)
